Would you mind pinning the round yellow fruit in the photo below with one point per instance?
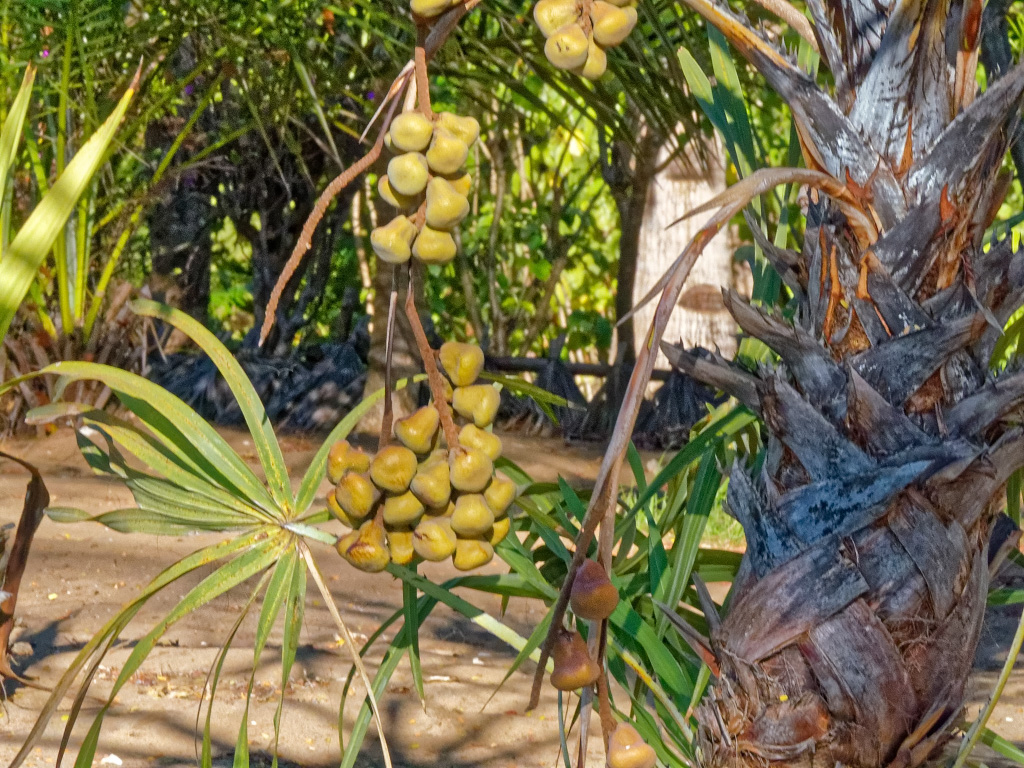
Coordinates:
(478, 402)
(400, 546)
(356, 495)
(500, 530)
(433, 539)
(392, 198)
(342, 458)
(445, 206)
(429, 8)
(462, 362)
(434, 246)
(408, 173)
(472, 553)
(499, 495)
(567, 47)
(418, 430)
(411, 132)
(367, 548)
(462, 183)
(431, 484)
(447, 153)
(469, 469)
(488, 443)
(393, 468)
(464, 128)
(403, 510)
(472, 516)
(393, 241)
(597, 62)
(552, 15)
(612, 25)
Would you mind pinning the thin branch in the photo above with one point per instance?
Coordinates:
(389, 415)
(451, 434)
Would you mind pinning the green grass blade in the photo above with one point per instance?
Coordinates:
(11, 132)
(1002, 746)
(294, 610)
(265, 441)
(315, 474)
(412, 621)
(27, 251)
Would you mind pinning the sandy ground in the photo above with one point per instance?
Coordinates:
(80, 575)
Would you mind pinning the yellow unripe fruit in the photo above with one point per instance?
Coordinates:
(472, 516)
(612, 25)
(573, 666)
(500, 530)
(445, 206)
(418, 430)
(404, 509)
(393, 241)
(433, 539)
(431, 484)
(434, 246)
(567, 47)
(472, 553)
(488, 443)
(367, 548)
(400, 546)
(462, 184)
(335, 509)
(597, 62)
(464, 128)
(499, 495)
(408, 173)
(627, 749)
(469, 469)
(393, 468)
(552, 15)
(411, 131)
(392, 198)
(593, 595)
(462, 362)
(447, 153)
(478, 402)
(429, 8)
(344, 457)
(356, 495)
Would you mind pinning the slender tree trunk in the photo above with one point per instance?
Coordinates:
(700, 319)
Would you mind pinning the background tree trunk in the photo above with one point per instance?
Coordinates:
(700, 319)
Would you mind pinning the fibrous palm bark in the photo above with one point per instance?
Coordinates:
(853, 623)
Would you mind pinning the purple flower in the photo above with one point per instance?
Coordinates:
(46, 53)
(370, 95)
(188, 89)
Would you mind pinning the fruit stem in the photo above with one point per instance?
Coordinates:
(422, 83)
(387, 419)
(451, 434)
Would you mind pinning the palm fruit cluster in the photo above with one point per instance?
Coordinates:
(578, 33)
(416, 499)
(426, 184)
